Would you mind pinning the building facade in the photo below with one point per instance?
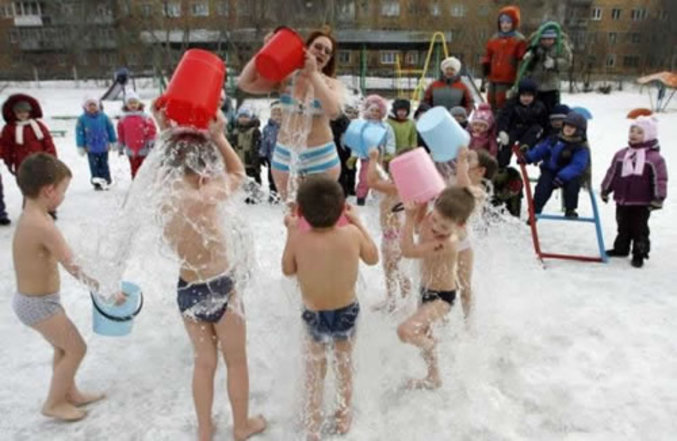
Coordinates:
(90, 38)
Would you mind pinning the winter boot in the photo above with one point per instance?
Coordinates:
(613, 253)
(637, 260)
(360, 201)
(571, 214)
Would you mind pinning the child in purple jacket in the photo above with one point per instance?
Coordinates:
(638, 178)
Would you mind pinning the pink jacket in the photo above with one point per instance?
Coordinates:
(136, 133)
(486, 142)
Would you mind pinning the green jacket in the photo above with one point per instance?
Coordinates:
(533, 63)
(405, 133)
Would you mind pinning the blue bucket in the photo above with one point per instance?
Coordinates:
(362, 136)
(443, 135)
(116, 320)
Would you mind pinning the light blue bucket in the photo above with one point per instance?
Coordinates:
(116, 320)
(362, 135)
(582, 111)
(443, 135)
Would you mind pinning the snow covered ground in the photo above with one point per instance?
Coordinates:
(575, 351)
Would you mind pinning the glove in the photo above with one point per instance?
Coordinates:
(524, 148)
(503, 138)
(557, 183)
(528, 56)
(82, 151)
(549, 63)
(605, 197)
(350, 163)
(656, 204)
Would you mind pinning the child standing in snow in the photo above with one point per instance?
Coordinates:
(403, 127)
(136, 132)
(38, 249)
(390, 209)
(327, 281)
(482, 130)
(95, 136)
(246, 140)
(375, 110)
(638, 178)
(268, 141)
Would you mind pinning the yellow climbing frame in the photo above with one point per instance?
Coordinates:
(417, 93)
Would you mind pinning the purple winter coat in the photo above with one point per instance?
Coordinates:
(652, 185)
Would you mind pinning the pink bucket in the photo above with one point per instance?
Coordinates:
(415, 176)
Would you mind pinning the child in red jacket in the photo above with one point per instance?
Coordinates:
(136, 132)
(23, 134)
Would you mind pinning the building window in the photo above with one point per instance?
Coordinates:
(13, 36)
(390, 8)
(458, 10)
(6, 11)
(146, 10)
(631, 61)
(244, 8)
(638, 14)
(663, 15)
(596, 14)
(106, 59)
(388, 57)
(26, 8)
(346, 11)
(411, 58)
(435, 9)
(344, 57)
(610, 60)
(200, 9)
(635, 37)
(484, 10)
(223, 8)
(613, 37)
(615, 14)
(172, 9)
(104, 11)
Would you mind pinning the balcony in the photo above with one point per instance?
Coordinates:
(27, 20)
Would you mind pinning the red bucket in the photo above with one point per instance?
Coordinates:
(192, 97)
(282, 55)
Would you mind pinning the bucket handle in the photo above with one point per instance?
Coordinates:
(114, 318)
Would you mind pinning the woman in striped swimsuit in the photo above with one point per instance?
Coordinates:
(310, 98)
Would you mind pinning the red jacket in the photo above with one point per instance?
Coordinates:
(503, 53)
(459, 95)
(13, 153)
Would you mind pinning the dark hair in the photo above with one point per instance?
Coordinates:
(40, 170)
(321, 201)
(455, 204)
(190, 151)
(488, 162)
(330, 69)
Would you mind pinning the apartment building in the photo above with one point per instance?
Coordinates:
(58, 38)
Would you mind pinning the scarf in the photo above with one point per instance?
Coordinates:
(633, 162)
(19, 132)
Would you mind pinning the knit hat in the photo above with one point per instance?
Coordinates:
(131, 96)
(89, 100)
(376, 100)
(452, 62)
(245, 111)
(649, 125)
(549, 32)
(22, 106)
(401, 103)
(459, 111)
(483, 114)
(560, 111)
(577, 120)
(527, 85)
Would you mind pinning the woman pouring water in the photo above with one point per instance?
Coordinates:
(310, 98)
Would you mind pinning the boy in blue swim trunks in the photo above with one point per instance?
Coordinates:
(210, 171)
(326, 260)
(437, 247)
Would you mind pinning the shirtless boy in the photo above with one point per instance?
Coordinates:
(37, 249)
(437, 247)
(325, 260)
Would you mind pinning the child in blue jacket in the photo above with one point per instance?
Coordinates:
(562, 164)
(95, 135)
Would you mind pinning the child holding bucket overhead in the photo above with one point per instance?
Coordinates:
(390, 209)
(37, 249)
(327, 281)
(304, 75)
(375, 110)
(210, 306)
(437, 249)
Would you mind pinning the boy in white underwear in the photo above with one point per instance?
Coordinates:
(37, 249)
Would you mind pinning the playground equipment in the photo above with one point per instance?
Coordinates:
(533, 218)
(120, 81)
(661, 81)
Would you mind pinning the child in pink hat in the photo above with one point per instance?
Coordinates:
(483, 130)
